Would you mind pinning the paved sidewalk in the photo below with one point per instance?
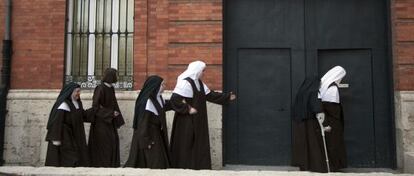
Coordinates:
(53, 171)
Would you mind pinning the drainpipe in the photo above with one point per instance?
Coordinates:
(5, 75)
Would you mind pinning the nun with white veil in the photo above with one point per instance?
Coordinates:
(334, 117)
(190, 145)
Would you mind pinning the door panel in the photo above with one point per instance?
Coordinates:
(263, 39)
(264, 113)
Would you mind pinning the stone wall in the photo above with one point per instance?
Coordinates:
(404, 129)
(29, 110)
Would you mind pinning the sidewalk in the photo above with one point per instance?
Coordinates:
(53, 171)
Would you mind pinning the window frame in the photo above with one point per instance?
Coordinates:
(117, 32)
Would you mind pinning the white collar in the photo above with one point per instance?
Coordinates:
(331, 95)
(151, 107)
(333, 75)
(185, 89)
(64, 106)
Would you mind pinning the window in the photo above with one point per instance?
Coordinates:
(99, 35)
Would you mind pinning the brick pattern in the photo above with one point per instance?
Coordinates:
(140, 42)
(182, 54)
(178, 32)
(168, 35)
(38, 29)
(157, 39)
(403, 44)
(195, 10)
(2, 18)
(196, 34)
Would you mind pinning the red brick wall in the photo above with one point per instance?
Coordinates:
(403, 44)
(181, 31)
(140, 42)
(38, 29)
(2, 10)
(157, 39)
(168, 35)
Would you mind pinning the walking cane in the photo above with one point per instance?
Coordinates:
(324, 143)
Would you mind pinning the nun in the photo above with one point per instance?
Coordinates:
(307, 145)
(190, 144)
(149, 146)
(331, 104)
(65, 131)
(106, 119)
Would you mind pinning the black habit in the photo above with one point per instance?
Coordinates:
(307, 145)
(335, 138)
(67, 128)
(149, 146)
(190, 143)
(103, 135)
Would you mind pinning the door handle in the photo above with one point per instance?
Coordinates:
(343, 86)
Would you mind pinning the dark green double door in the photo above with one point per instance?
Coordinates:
(269, 48)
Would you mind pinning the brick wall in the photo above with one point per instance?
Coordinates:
(403, 44)
(2, 10)
(140, 42)
(168, 35)
(38, 29)
(181, 31)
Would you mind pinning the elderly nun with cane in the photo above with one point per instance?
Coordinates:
(333, 117)
(317, 124)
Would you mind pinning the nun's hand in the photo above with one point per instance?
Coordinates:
(320, 117)
(327, 129)
(57, 143)
(116, 113)
(232, 96)
(192, 110)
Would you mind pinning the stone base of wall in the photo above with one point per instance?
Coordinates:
(404, 129)
(28, 111)
(409, 162)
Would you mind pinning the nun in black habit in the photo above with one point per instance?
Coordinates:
(149, 146)
(65, 131)
(106, 119)
(307, 144)
(190, 143)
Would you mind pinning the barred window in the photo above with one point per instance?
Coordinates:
(99, 35)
